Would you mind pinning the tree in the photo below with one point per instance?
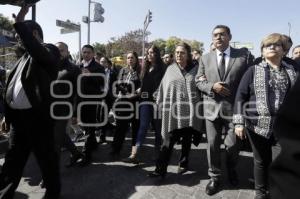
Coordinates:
(161, 44)
(114, 48)
(5, 23)
(131, 41)
(8, 57)
(195, 45)
(168, 46)
(101, 48)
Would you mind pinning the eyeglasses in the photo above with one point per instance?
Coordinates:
(275, 45)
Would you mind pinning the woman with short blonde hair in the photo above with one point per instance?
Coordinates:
(261, 92)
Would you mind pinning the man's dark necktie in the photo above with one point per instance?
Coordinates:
(222, 66)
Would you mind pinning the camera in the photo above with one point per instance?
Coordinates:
(18, 2)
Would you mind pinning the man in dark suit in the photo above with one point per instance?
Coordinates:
(219, 74)
(296, 54)
(92, 85)
(66, 84)
(111, 75)
(27, 110)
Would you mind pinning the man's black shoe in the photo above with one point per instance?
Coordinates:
(212, 187)
(102, 141)
(155, 174)
(232, 177)
(85, 161)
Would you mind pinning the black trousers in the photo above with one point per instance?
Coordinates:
(88, 118)
(31, 132)
(264, 151)
(125, 119)
(62, 139)
(102, 115)
(122, 127)
(185, 135)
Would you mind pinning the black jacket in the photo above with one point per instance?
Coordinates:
(285, 170)
(92, 85)
(150, 82)
(92, 90)
(67, 72)
(40, 63)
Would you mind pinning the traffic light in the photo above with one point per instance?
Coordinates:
(149, 16)
(98, 12)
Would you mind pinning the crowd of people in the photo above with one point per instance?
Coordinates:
(181, 95)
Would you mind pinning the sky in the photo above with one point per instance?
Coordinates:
(249, 20)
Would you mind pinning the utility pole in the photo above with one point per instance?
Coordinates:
(98, 11)
(147, 21)
(89, 22)
(79, 47)
(33, 12)
(290, 27)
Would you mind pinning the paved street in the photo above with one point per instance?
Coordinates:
(108, 177)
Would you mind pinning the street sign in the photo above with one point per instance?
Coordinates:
(68, 25)
(248, 45)
(66, 31)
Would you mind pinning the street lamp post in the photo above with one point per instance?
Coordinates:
(290, 26)
(89, 22)
(33, 12)
(98, 11)
(79, 40)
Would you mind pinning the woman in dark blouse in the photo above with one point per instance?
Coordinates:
(151, 76)
(260, 94)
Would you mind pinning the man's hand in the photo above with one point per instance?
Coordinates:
(220, 88)
(202, 78)
(85, 70)
(240, 131)
(5, 127)
(22, 13)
